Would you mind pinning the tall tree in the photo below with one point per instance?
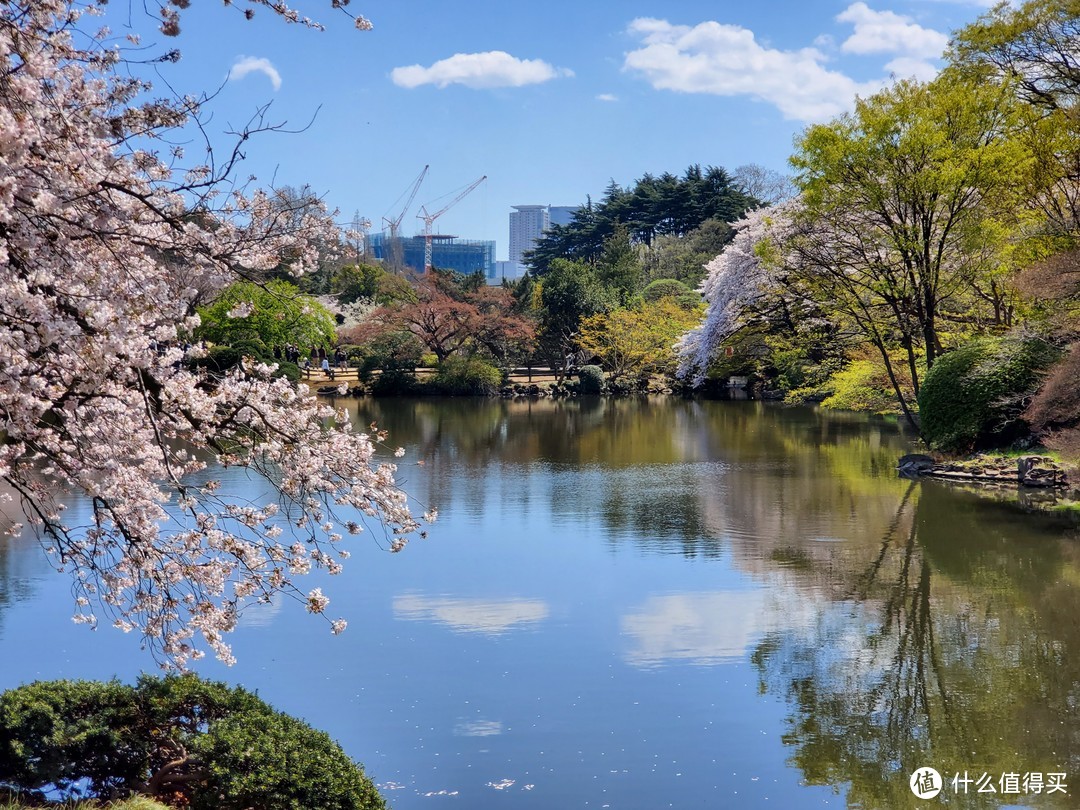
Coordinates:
(900, 199)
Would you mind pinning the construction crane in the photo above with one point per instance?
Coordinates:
(360, 227)
(430, 218)
(395, 223)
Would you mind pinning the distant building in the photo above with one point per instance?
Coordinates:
(562, 214)
(528, 224)
(506, 271)
(447, 253)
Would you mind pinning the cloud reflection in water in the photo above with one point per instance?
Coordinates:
(489, 616)
(714, 627)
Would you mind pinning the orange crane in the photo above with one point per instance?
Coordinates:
(430, 218)
(395, 224)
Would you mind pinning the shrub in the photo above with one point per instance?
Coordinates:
(864, 385)
(974, 395)
(55, 735)
(465, 376)
(665, 288)
(391, 383)
(208, 744)
(590, 380)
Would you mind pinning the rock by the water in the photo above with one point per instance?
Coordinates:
(914, 464)
(1028, 471)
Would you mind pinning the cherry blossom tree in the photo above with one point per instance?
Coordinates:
(738, 279)
(101, 232)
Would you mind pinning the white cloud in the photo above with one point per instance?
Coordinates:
(905, 67)
(726, 60)
(607, 97)
(479, 71)
(255, 64)
(889, 32)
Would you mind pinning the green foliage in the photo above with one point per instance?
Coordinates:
(590, 380)
(973, 396)
(665, 288)
(684, 257)
(908, 209)
(56, 734)
(279, 315)
(567, 294)
(217, 746)
(862, 385)
(637, 341)
(654, 207)
(467, 376)
(355, 282)
(273, 761)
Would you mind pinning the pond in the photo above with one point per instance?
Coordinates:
(650, 603)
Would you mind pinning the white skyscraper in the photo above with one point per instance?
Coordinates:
(527, 225)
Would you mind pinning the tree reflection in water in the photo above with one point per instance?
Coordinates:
(942, 654)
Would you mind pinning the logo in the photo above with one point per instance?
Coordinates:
(926, 783)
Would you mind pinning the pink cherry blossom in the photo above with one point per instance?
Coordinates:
(104, 248)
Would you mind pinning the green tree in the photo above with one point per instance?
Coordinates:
(567, 294)
(273, 314)
(906, 204)
(619, 268)
(637, 341)
(354, 282)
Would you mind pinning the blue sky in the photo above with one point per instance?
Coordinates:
(550, 100)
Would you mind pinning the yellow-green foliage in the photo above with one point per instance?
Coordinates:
(864, 385)
(639, 340)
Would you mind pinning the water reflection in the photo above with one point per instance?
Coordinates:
(710, 628)
(488, 616)
(651, 603)
(956, 645)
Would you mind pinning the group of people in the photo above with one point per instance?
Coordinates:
(318, 358)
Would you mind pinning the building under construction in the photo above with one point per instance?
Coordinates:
(447, 253)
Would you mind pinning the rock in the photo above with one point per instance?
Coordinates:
(1040, 471)
(1028, 471)
(914, 464)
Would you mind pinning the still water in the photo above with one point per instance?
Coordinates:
(659, 603)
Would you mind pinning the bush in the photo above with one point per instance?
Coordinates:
(55, 735)
(467, 376)
(391, 383)
(590, 379)
(973, 396)
(203, 743)
(864, 385)
(665, 288)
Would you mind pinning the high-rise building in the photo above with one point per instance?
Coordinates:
(527, 225)
(562, 214)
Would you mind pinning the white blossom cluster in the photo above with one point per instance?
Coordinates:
(736, 280)
(100, 239)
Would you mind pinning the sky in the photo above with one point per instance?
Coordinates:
(550, 101)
